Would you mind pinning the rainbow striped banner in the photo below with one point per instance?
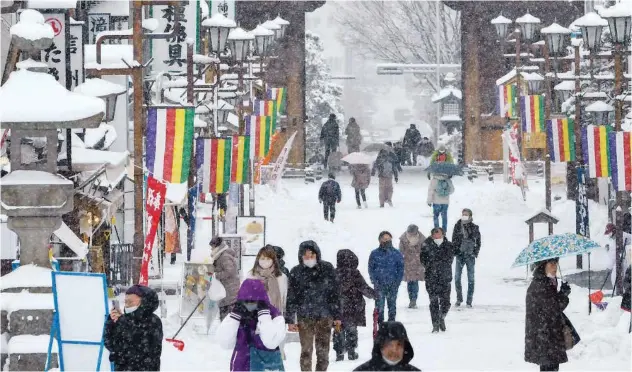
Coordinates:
(240, 168)
(621, 160)
(280, 96)
(169, 143)
(560, 136)
(507, 95)
(595, 150)
(258, 128)
(214, 163)
(532, 113)
(266, 108)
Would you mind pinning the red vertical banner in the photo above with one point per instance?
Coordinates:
(154, 202)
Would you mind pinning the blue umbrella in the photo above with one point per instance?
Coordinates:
(554, 246)
(449, 169)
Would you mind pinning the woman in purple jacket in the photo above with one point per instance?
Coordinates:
(254, 329)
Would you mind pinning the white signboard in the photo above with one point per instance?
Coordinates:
(97, 22)
(55, 55)
(226, 7)
(75, 50)
(171, 54)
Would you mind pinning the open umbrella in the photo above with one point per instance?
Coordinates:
(359, 158)
(552, 246)
(375, 147)
(449, 169)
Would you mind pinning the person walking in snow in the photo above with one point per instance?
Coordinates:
(330, 136)
(334, 162)
(386, 270)
(329, 194)
(134, 337)
(268, 270)
(354, 137)
(353, 289)
(544, 343)
(466, 239)
(313, 304)
(392, 350)
(410, 245)
(439, 191)
(226, 270)
(254, 329)
(411, 141)
(437, 254)
(441, 155)
(386, 166)
(361, 174)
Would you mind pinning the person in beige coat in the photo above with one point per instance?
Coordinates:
(410, 245)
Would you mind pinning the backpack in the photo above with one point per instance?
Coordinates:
(330, 189)
(443, 188)
(387, 169)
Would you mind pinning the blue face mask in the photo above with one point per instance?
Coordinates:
(251, 306)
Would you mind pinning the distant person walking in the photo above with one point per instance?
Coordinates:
(354, 137)
(439, 191)
(361, 174)
(227, 272)
(410, 245)
(466, 239)
(386, 167)
(330, 136)
(386, 270)
(330, 194)
(411, 141)
(437, 254)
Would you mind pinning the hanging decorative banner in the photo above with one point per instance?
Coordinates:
(55, 55)
(214, 159)
(280, 96)
(595, 149)
(507, 100)
(240, 169)
(154, 202)
(170, 54)
(266, 108)
(258, 128)
(560, 134)
(279, 166)
(169, 143)
(532, 113)
(621, 160)
(581, 205)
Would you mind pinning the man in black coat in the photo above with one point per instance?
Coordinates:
(329, 194)
(437, 254)
(466, 239)
(392, 350)
(134, 338)
(330, 136)
(313, 302)
(411, 140)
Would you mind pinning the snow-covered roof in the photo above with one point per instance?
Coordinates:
(89, 159)
(446, 92)
(450, 118)
(621, 9)
(527, 18)
(601, 95)
(51, 4)
(219, 20)
(565, 85)
(280, 21)
(97, 87)
(599, 106)
(510, 75)
(27, 276)
(544, 211)
(555, 28)
(501, 20)
(32, 26)
(262, 31)
(590, 19)
(118, 8)
(270, 25)
(239, 33)
(30, 64)
(68, 237)
(111, 56)
(33, 177)
(29, 97)
(200, 58)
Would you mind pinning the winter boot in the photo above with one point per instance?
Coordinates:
(366, 205)
(442, 324)
(435, 328)
(412, 305)
(469, 306)
(340, 357)
(390, 203)
(352, 355)
(359, 207)
(457, 304)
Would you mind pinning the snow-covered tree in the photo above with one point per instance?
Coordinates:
(322, 96)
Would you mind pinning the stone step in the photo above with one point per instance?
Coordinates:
(28, 353)
(28, 313)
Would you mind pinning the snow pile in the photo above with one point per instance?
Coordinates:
(29, 344)
(32, 26)
(97, 87)
(52, 4)
(32, 177)
(30, 64)
(27, 276)
(27, 301)
(105, 132)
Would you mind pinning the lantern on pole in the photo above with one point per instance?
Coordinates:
(618, 18)
(502, 25)
(555, 37)
(239, 42)
(591, 26)
(219, 29)
(528, 24)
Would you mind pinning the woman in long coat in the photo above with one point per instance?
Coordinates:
(410, 245)
(227, 272)
(361, 179)
(544, 337)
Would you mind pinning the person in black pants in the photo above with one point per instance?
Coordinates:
(330, 194)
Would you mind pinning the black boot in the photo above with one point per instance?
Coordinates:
(442, 324)
(352, 355)
(435, 328)
(340, 357)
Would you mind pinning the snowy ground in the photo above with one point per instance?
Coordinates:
(488, 337)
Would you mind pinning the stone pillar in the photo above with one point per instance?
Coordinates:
(34, 234)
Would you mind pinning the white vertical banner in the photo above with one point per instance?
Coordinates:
(171, 54)
(279, 166)
(55, 55)
(226, 7)
(97, 22)
(75, 51)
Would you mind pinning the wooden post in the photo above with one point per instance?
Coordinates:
(618, 108)
(191, 182)
(548, 103)
(531, 234)
(242, 128)
(571, 174)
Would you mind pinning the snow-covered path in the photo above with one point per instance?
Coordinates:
(488, 337)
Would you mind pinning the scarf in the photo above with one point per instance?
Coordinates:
(413, 239)
(217, 251)
(272, 286)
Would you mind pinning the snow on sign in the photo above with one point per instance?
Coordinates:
(171, 54)
(55, 55)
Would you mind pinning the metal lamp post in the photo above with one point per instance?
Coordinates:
(600, 112)
(274, 27)
(283, 24)
(219, 28)
(591, 26)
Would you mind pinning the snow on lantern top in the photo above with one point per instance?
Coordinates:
(35, 100)
(527, 18)
(280, 21)
(501, 20)
(271, 25)
(32, 26)
(590, 19)
(262, 31)
(219, 20)
(621, 9)
(555, 29)
(599, 106)
(99, 88)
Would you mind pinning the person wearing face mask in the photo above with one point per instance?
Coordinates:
(544, 338)
(437, 254)
(313, 305)
(226, 271)
(134, 336)
(466, 239)
(392, 350)
(386, 270)
(410, 245)
(253, 329)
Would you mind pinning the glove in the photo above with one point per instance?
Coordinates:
(240, 311)
(263, 309)
(430, 204)
(565, 289)
(320, 201)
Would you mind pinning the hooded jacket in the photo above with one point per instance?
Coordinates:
(280, 254)
(135, 339)
(386, 267)
(412, 137)
(390, 331)
(265, 331)
(438, 263)
(353, 289)
(314, 292)
(227, 272)
(361, 174)
(413, 269)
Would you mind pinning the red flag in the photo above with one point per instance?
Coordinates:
(154, 202)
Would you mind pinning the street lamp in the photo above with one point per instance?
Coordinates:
(283, 24)
(591, 25)
(618, 17)
(535, 82)
(600, 111)
(219, 28)
(527, 25)
(555, 35)
(262, 40)
(273, 26)
(565, 88)
(105, 90)
(239, 43)
(502, 25)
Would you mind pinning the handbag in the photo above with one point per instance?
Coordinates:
(265, 360)
(571, 337)
(216, 292)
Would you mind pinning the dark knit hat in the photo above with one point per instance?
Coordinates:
(332, 176)
(136, 289)
(216, 242)
(384, 233)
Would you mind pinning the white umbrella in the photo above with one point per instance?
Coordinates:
(359, 158)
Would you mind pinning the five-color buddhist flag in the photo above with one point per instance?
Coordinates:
(266, 108)
(621, 160)
(214, 161)
(258, 128)
(595, 149)
(560, 135)
(280, 96)
(507, 100)
(169, 143)
(239, 170)
(532, 113)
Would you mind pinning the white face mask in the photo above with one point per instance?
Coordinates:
(391, 362)
(130, 309)
(310, 263)
(438, 241)
(465, 218)
(265, 263)
(552, 276)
